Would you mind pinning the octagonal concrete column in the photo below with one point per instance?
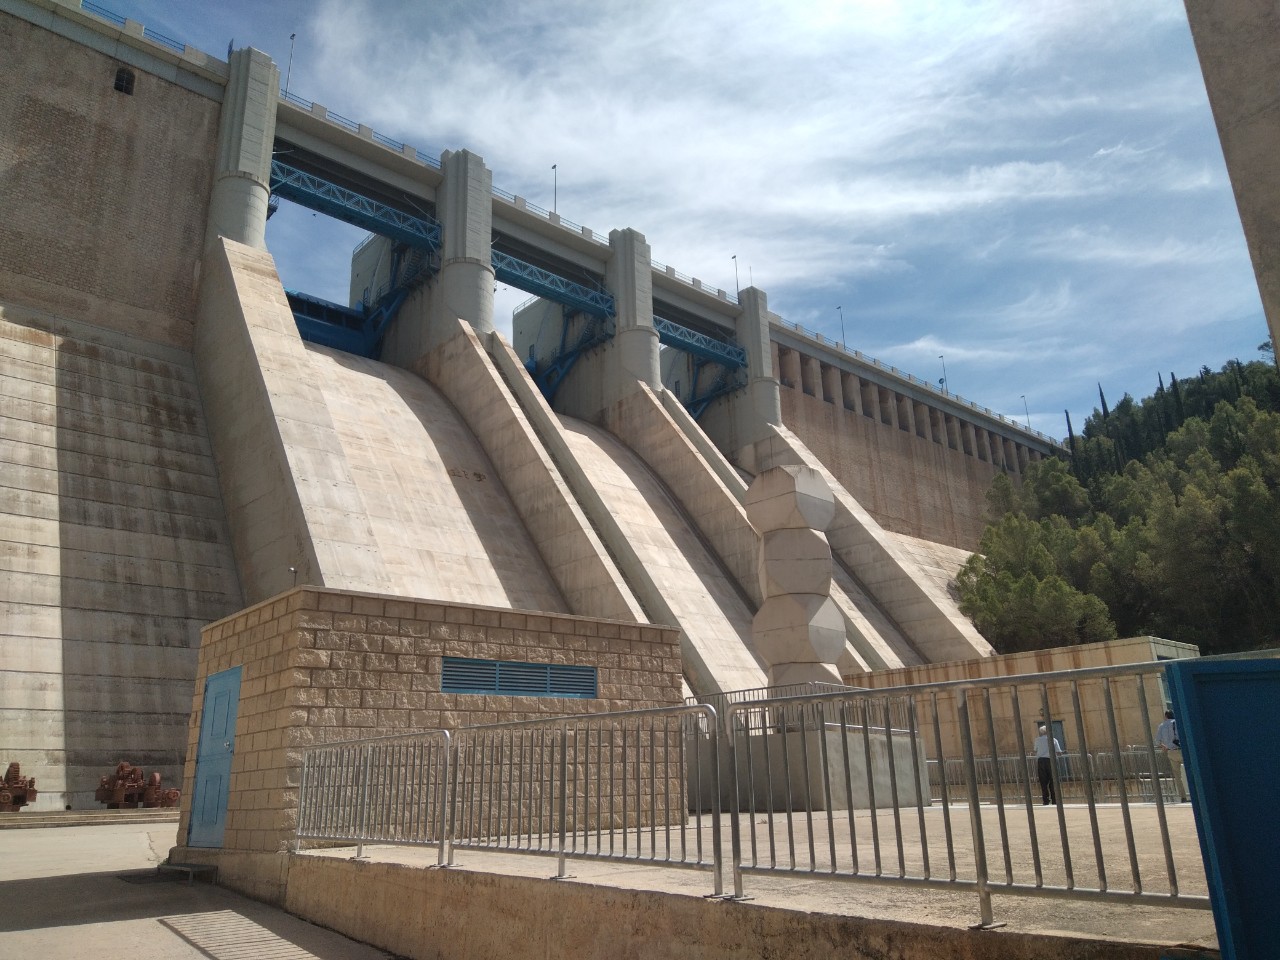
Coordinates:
(798, 630)
(634, 354)
(246, 133)
(764, 405)
(464, 202)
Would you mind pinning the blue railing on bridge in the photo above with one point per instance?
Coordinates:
(671, 334)
(102, 12)
(317, 194)
(552, 286)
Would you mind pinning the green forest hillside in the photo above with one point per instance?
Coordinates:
(1166, 521)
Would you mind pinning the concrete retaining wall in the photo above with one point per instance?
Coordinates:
(460, 915)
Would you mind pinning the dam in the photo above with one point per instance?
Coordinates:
(182, 438)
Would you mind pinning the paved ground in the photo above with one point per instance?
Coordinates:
(804, 888)
(65, 895)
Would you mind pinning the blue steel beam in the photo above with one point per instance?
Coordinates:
(544, 283)
(330, 324)
(316, 194)
(594, 332)
(727, 382)
(728, 355)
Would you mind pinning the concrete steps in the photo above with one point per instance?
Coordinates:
(25, 820)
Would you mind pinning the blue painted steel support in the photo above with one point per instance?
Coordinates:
(727, 382)
(360, 331)
(595, 332)
(544, 283)
(728, 355)
(330, 324)
(316, 194)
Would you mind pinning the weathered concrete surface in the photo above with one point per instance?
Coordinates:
(504, 905)
(872, 640)
(358, 474)
(682, 582)
(104, 194)
(1238, 44)
(442, 520)
(63, 899)
(507, 416)
(113, 552)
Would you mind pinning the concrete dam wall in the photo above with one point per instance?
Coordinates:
(174, 450)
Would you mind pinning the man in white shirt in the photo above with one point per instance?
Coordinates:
(1044, 766)
(1167, 740)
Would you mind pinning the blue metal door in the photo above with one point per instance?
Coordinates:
(213, 759)
(1228, 714)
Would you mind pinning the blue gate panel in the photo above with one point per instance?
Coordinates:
(1228, 715)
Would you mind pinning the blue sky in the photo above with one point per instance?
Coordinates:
(1032, 190)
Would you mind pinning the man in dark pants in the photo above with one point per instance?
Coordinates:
(1044, 766)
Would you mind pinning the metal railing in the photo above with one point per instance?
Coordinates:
(722, 701)
(609, 786)
(930, 785)
(834, 784)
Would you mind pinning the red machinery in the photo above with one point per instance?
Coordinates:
(16, 791)
(129, 788)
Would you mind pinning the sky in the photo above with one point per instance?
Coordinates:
(1027, 193)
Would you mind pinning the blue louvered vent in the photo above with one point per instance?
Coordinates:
(514, 679)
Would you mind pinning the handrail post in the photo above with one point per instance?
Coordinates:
(735, 827)
(302, 801)
(975, 814)
(563, 813)
(445, 856)
(717, 855)
(364, 802)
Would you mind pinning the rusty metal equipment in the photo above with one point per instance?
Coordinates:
(130, 787)
(16, 791)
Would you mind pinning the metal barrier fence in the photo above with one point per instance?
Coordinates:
(604, 786)
(834, 785)
(930, 785)
(1132, 765)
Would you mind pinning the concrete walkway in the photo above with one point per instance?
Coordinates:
(71, 893)
(74, 892)
(1180, 930)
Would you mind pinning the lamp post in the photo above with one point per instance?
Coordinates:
(555, 187)
(737, 288)
(843, 343)
(1026, 411)
(943, 381)
(289, 71)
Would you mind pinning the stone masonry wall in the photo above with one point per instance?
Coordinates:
(1131, 721)
(324, 665)
(105, 193)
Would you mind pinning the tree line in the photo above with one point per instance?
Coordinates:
(1165, 521)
